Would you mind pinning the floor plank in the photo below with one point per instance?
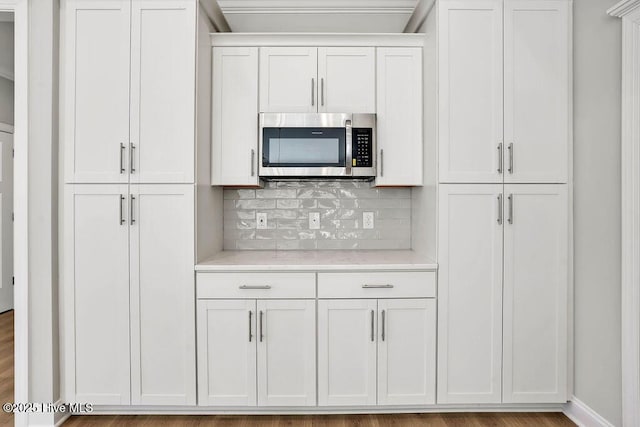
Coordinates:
(382, 420)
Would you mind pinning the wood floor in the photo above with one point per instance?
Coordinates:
(396, 420)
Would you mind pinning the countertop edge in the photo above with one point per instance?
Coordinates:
(320, 267)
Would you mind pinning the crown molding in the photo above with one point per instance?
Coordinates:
(317, 6)
(317, 39)
(623, 8)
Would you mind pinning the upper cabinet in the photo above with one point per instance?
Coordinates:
(504, 89)
(312, 79)
(399, 116)
(128, 91)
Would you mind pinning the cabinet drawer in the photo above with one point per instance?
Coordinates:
(377, 285)
(256, 285)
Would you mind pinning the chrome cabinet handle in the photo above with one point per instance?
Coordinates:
(254, 287)
(510, 158)
(373, 337)
(261, 334)
(122, 220)
(322, 91)
(313, 89)
(349, 146)
(131, 161)
(500, 209)
(133, 199)
(377, 286)
(511, 209)
(122, 148)
(250, 334)
(383, 313)
(253, 155)
(381, 162)
(500, 158)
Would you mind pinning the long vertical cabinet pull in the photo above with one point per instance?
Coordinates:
(313, 89)
(510, 157)
(500, 158)
(373, 336)
(383, 326)
(261, 334)
(322, 91)
(131, 213)
(510, 217)
(500, 209)
(381, 162)
(253, 157)
(122, 220)
(122, 148)
(250, 332)
(131, 160)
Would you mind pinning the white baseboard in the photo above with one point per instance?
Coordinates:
(48, 419)
(583, 415)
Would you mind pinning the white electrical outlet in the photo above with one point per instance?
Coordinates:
(314, 220)
(261, 220)
(367, 220)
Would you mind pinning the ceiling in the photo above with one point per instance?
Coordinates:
(341, 16)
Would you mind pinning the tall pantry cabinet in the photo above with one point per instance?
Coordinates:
(504, 166)
(127, 128)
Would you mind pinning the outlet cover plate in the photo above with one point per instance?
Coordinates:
(314, 220)
(367, 220)
(261, 221)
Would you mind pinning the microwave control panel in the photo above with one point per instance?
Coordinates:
(362, 143)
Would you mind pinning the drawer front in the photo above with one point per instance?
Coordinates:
(255, 285)
(414, 284)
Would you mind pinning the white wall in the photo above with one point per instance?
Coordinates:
(597, 72)
(6, 66)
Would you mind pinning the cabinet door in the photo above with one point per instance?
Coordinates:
(227, 352)
(347, 352)
(399, 116)
(286, 352)
(96, 277)
(163, 45)
(406, 351)
(535, 294)
(470, 90)
(537, 88)
(162, 295)
(234, 126)
(288, 79)
(470, 293)
(347, 79)
(95, 90)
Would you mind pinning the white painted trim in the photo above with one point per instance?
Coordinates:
(420, 13)
(215, 15)
(316, 6)
(20, 8)
(629, 11)
(6, 127)
(581, 414)
(316, 39)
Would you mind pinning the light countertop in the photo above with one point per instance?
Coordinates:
(316, 260)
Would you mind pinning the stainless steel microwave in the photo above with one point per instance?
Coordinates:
(327, 145)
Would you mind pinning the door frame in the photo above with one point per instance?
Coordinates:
(629, 11)
(20, 9)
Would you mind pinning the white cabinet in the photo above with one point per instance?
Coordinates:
(227, 352)
(128, 257)
(535, 294)
(234, 122)
(161, 222)
(96, 303)
(406, 351)
(317, 79)
(256, 352)
(519, 356)
(504, 91)
(288, 79)
(470, 293)
(128, 91)
(163, 49)
(95, 89)
(537, 90)
(347, 80)
(399, 116)
(286, 338)
(470, 90)
(376, 352)
(347, 352)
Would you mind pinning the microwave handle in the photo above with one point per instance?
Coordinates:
(349, 147)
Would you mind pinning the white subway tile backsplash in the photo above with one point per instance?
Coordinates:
(340, 204)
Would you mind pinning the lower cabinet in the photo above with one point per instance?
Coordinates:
(376, 351)
(256, 352)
